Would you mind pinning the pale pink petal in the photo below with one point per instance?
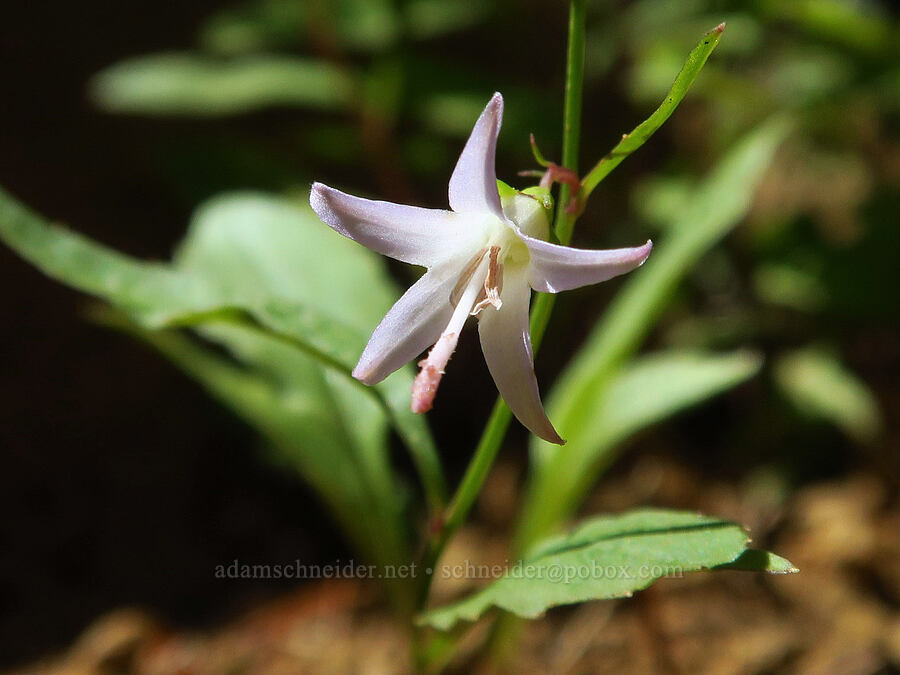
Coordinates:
(506, 343)
(473, 185)
(557, 268)
(408, 233)
(413, 324)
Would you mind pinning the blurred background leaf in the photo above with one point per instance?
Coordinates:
(185, 84)
(818, 384)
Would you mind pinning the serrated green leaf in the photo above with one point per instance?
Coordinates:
(194, 85)
(605, 557)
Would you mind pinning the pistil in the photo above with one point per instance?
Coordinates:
(432, 368)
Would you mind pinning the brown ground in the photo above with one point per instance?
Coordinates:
(840, 615)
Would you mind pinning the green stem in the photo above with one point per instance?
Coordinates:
(498, 423)
(565, 220)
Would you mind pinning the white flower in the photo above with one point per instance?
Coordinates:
(483, 257)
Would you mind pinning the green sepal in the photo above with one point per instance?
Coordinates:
(506, 191)
(542, 194)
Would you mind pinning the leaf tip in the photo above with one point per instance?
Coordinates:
(719, 29)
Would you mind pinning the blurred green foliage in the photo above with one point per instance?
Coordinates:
(283, 305)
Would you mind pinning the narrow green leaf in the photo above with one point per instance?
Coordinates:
(631, 142)
(192, 85)
(717, 205)
(605, 557)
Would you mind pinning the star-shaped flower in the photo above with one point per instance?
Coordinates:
(483, 257)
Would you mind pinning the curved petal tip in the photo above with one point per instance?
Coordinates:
(645, 250)
(365, 375)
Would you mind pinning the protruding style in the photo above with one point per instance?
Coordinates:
(483, 258)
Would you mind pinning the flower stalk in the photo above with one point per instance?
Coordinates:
(498, 423)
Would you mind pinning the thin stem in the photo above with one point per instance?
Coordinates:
(498, 423)
(565, 219)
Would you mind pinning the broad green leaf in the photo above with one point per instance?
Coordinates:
(605, 557)
(717, 205)
(646, 391)
(652, 388)
(306, 282)
(816, 382)
(251, 247)
(240, 289)
(288, 397)
(304, 420)
(185, 84)
(634, 140)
